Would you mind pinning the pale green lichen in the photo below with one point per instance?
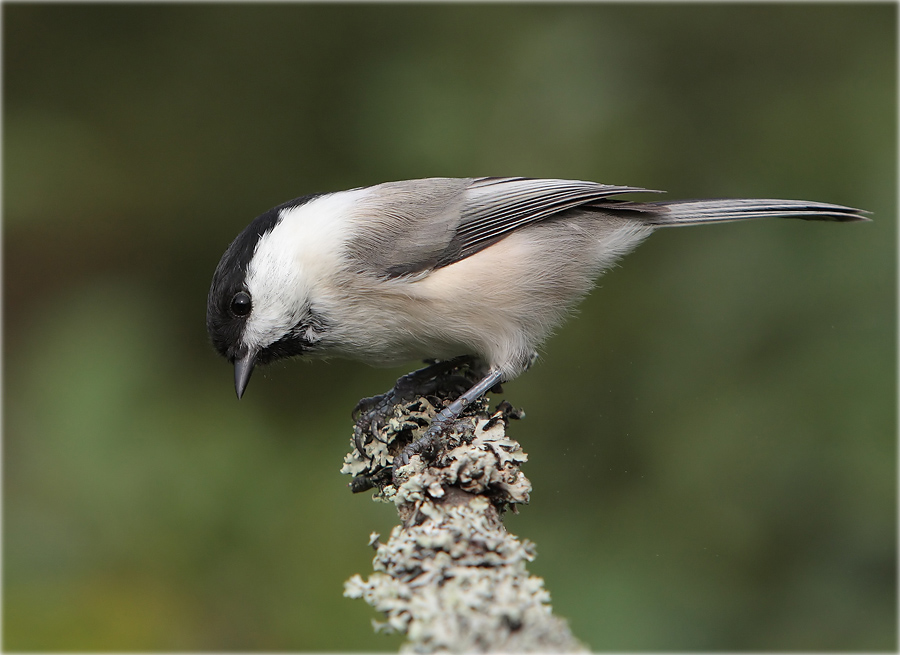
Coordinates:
(409, 419)
(458, 583)
(451, 577)
(488, 462)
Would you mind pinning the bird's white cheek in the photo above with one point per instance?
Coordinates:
(263, 329)
(292, 266)
(278, 306)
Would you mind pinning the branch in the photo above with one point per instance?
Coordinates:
(451, 578)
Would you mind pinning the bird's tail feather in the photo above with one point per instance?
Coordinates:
(689, 212)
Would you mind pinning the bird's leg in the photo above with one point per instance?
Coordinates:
(410, 385)
(371, 413)
(428, 443)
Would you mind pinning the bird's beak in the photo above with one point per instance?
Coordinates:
(242, 369)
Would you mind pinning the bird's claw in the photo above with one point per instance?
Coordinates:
(428, 446)
(366, 481)
(445, 379)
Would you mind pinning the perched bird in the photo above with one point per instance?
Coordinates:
(438, 268)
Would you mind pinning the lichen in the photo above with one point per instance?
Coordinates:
(451, 577)
(458, 583)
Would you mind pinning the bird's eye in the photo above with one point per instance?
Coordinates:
(240, 304)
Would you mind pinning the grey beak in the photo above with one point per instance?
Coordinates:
(242, 369)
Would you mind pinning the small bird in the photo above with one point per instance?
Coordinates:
(438, 268)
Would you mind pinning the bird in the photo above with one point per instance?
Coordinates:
(439, 268)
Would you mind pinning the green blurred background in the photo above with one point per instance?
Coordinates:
(712, 441)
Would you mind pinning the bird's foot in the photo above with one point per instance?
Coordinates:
(371, 414)
(439, 381)
(366, 481)
(440, 436)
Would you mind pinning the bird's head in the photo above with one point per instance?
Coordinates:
(258, 307)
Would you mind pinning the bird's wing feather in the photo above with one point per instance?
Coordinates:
(403, 228)
(433, 223)
(496, 206)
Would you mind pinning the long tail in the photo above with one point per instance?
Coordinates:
(689, 212)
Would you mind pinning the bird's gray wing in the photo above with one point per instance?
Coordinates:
(403, 228)
(428, 224)
(496, 206)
